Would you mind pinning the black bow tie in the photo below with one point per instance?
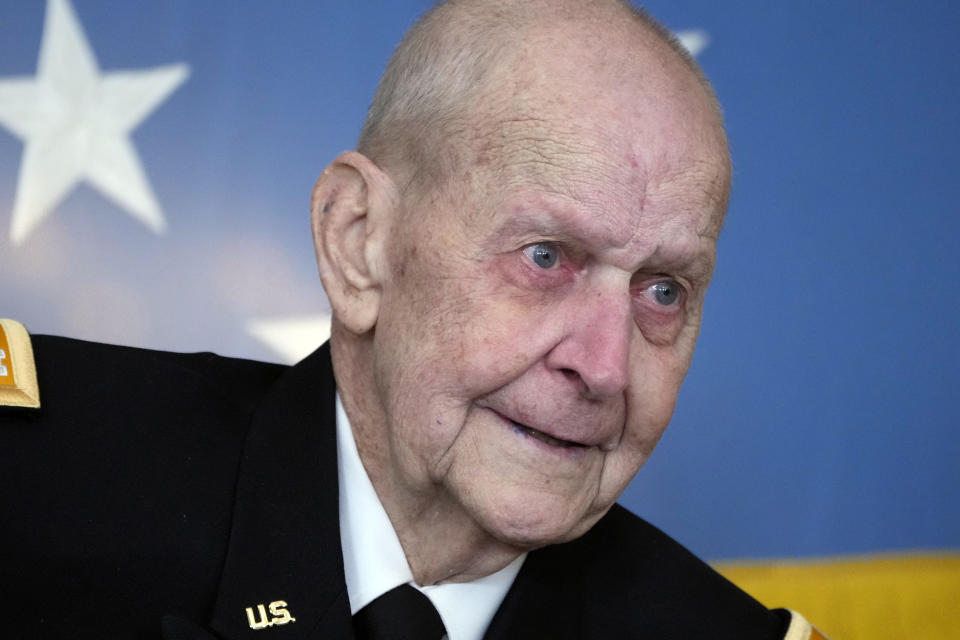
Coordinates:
(403, 613)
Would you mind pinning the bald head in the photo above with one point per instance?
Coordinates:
(460, 59)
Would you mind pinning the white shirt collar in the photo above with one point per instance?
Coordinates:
(374, 562)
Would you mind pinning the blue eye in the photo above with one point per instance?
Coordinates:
(543, 254)
(666, 293)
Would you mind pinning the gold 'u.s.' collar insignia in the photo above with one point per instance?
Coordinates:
(18, 372)
(279, 615)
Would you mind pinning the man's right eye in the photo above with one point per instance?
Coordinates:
(543, 254)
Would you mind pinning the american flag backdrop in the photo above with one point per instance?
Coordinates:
(156, 161)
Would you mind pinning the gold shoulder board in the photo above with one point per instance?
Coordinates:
(18, 372)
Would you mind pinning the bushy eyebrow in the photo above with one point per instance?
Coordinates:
(696, 266)
(529, 221)
(558, 221)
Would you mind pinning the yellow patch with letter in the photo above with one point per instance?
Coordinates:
(18, 372)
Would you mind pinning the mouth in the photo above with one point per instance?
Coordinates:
(543, 437)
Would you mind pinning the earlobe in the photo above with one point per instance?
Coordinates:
(353, 202)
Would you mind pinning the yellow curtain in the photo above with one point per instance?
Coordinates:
(862, 597)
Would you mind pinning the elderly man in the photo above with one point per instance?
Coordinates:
(516, 258)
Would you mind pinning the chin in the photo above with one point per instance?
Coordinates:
(530, 524)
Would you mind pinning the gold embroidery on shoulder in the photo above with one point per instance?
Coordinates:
(18, 372)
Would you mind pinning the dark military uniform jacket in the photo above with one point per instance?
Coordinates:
(162, 495)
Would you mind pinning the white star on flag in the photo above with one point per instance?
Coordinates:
(75, 122)
(694, 41)
(293, 338)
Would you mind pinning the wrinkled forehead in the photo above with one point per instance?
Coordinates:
(575, 154)
(597, 119)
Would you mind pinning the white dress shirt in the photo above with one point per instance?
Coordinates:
(374, 562)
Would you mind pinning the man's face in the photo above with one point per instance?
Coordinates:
(541, 310)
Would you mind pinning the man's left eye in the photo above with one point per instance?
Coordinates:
(543, 254)
(666, 293)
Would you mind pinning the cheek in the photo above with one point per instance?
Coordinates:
(502, 338)
(650, 401)
(484, 331)
(443, 338)
(652, 395)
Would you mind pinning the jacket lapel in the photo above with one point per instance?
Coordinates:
(175, 627)
(283, 576)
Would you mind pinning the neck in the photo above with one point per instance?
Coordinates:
(441, 541)
(443, 544)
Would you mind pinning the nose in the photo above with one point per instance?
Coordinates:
(595, 349)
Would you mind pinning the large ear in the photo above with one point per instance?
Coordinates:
(352, 207)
